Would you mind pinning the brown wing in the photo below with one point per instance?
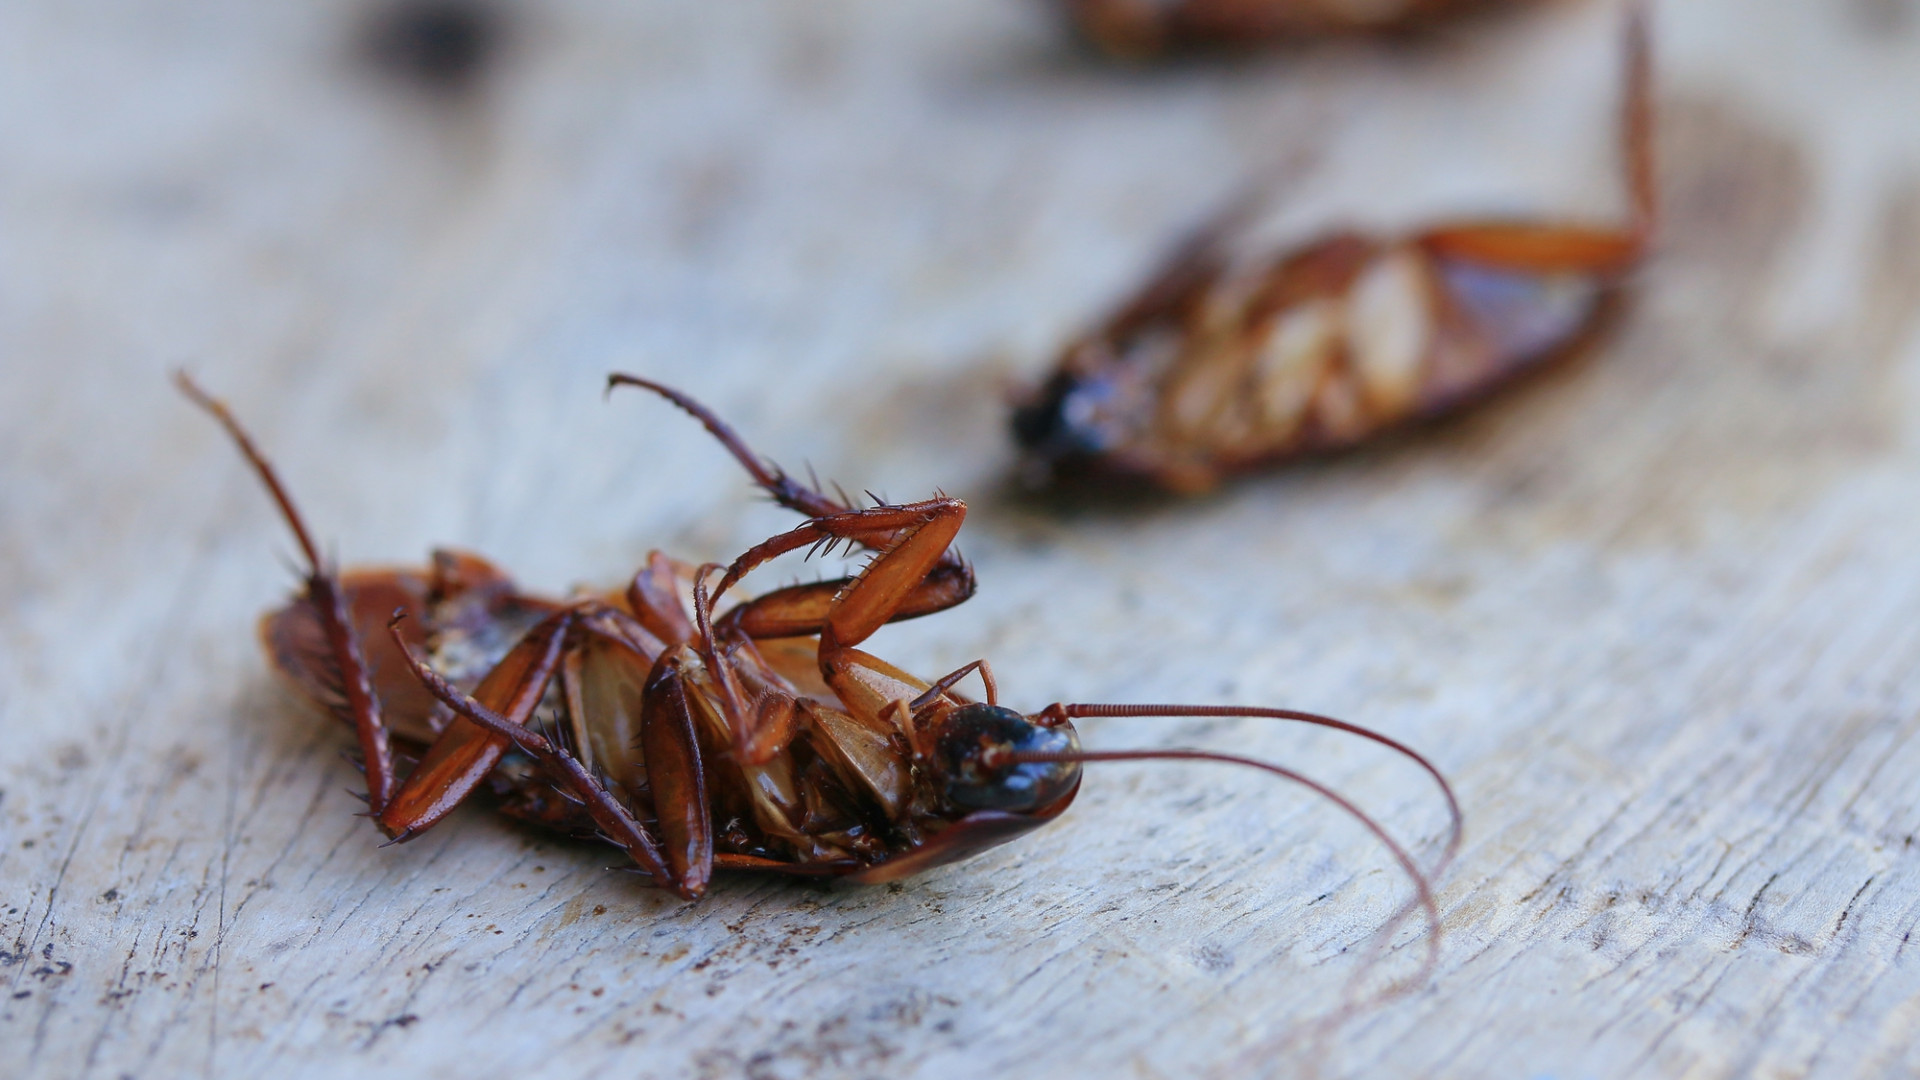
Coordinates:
(463, 611)
(963, 839)
(297, 648)
(1328, 345)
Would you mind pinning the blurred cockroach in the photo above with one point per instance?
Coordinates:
(1132, 29)
(1220, 364)
(755, 736)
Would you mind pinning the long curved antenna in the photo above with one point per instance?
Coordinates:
(1074, 712)
(1423, 890)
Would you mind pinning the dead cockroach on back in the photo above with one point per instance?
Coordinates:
(756, 736)
(1218, 364)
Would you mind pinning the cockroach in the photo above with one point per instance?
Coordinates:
(697, 734)
(1135, 29)
(1220, 364)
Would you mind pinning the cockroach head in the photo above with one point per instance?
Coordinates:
(1063, 419)
(1084, 423)
(977, 752)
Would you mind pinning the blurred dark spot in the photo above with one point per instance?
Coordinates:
(1733, 189)
(1880, 18)
(441, 46)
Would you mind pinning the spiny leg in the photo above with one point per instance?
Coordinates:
(329, 603)
(914, 572)
(919, 535)
(949, 583)
(607, 812)
(800, 610)
(466, 752)
(759, 732)
(1547, 249)
(887, 582)
(785, 490)
(947, 681)
(911, 540)
(866, 685)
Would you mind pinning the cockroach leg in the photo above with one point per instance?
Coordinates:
(799, 610)
(785, 490)
(802, 609)
(1567, 249)
(324, 595)
(748, 744)
(878, 590)
(920, 534)
(674, 773)
(607, 812)
(465, 752)
(885, 529)
(946, 682)
(762, 731)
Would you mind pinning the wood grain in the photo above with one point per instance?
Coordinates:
(1653, 612)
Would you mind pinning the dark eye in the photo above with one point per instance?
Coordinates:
(963, 747)
(1062, 419)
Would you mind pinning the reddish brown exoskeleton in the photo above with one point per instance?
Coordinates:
(1132, 29)
(1219, 364)
(755, 736)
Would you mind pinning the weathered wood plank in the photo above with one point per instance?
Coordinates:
(1653, 612)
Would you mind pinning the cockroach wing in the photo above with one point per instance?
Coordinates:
(764, 797)
(464, 753)
(604, 710)
(797, 660)
(1503, 322)
(296, 645)
(867, 756)
(672, 750)
(463, 611)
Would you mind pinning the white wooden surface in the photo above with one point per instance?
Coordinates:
(1654, 613)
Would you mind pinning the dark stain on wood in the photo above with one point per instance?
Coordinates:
(441, 47)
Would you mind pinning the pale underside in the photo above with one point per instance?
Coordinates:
(1252, 370)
